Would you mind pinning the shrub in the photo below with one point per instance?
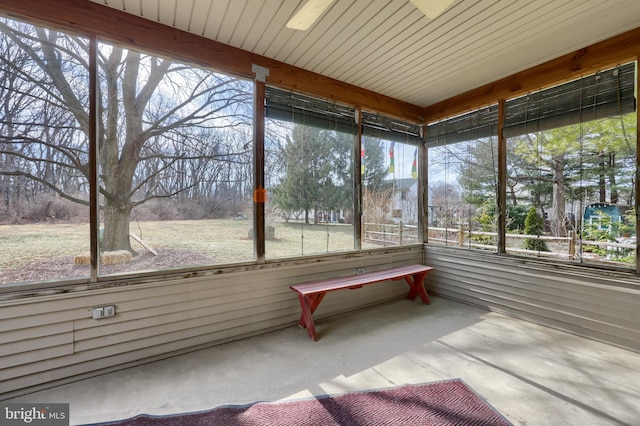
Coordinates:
(534, 225)
(47, 207)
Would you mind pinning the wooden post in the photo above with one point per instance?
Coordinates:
(637, 182)
(572, 245)
(94, 182)
(358, 225)
(423, 187)
(384, 235)
(259, 197)
(502, 181)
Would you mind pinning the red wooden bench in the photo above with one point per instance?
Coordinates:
(311, 294)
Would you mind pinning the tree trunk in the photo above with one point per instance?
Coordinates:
(612, 179)
(601, 179)
(116, 228)
(558, 226)
(119, 159)
(513, 195)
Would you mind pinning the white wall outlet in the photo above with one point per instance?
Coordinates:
(359, 271)
(104, 312)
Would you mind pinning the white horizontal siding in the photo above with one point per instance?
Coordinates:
(597, 304)
(52, 338)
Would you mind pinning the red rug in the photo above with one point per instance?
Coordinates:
(449, 402)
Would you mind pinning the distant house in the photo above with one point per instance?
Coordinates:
(405, 197)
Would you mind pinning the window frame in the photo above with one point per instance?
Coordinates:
(618, 100)
(397, 128)
(588, 61)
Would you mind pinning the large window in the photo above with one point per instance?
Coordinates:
(168, 165)
(570, 173)
(463, 180)
(390, 187)
(44, 118)
(173, 170)
(174, 155)
(310, 149)
(571, 169)
(176, 170)
(309, 157)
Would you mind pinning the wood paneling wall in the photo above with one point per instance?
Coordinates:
(593, 303)
(54, 339)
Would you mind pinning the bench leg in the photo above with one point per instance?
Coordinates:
(417, 288)
(308, 305)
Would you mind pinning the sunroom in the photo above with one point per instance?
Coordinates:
(168, 169)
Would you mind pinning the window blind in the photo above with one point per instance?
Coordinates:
(604, 94)
(307, 110)
(390, 129)
(303, 109)
(481, 123)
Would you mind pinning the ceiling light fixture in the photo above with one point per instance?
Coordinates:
(432, 8)
(313, 9)
(309, 13)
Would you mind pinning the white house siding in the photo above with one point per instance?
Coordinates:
(53, 339)
(597, 304)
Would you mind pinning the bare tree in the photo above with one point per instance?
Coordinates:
(163, 130)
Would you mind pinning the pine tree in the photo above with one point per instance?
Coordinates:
(534, 225)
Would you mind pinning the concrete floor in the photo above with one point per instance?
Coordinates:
(533, 375)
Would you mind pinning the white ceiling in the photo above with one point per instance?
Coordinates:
(390, 47)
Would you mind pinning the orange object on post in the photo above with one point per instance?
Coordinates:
(260, 195)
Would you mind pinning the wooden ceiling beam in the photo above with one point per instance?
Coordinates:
(606, 54)
(89, 18)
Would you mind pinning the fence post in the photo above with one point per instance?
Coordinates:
(460, 236)
(400, 233)
(572, 245)
(384, 235)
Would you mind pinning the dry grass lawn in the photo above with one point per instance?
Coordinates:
(38, 252)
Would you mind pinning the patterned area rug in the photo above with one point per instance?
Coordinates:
(449, 402)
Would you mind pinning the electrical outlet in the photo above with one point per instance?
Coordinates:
(104, 312)
(359, 271)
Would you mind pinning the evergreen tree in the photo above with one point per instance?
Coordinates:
(375, 171)
(534, 225)
(478, 169)
(317, 172)
(341, 193)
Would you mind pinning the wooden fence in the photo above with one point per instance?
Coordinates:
(560, 247)
(387, 234)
